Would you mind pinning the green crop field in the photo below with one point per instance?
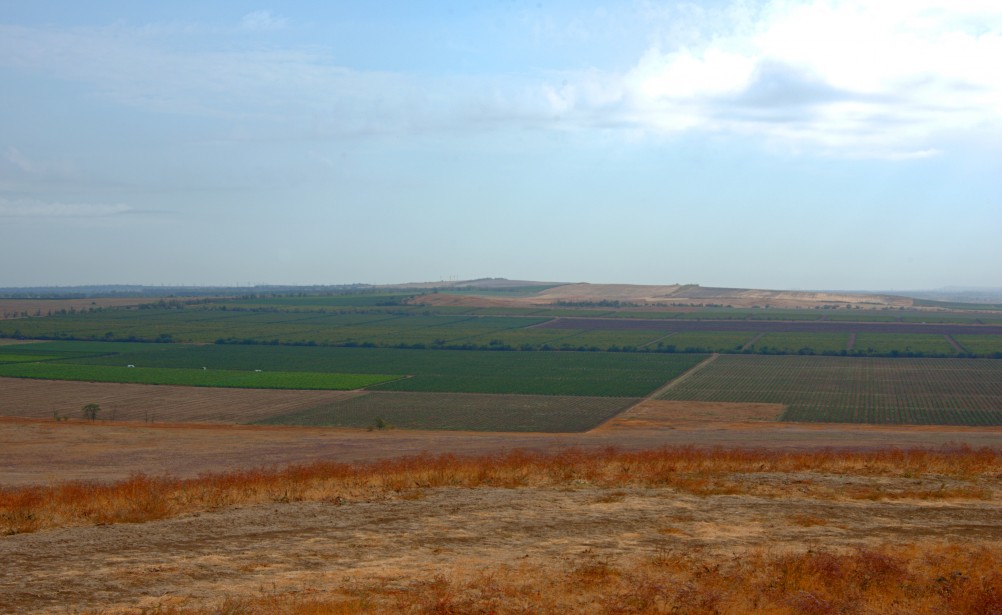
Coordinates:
(707, 341)
(461, 411)
(802, 343)
(903, 343)
(542, 373)
(22, 358)
(855, 390)
(192, 377)
(986, 345)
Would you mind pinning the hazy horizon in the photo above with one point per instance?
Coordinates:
(775, 144)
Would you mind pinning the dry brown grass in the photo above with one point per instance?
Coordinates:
(884, 579)
(960, 473)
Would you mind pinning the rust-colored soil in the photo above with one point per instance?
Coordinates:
(153, 403)
(652, 414)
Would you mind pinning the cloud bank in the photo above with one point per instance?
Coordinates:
(843, 78)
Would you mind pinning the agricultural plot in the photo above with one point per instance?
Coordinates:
(543, 373)
(855, 390)
(801, 343)
(905, 344)
(460, 411)
(546, 373)
(152, 404)
(23, 358)
(645, 315)
(986, 345)
(604, 340)
(524, 339)
(707, 341)
(192, 377)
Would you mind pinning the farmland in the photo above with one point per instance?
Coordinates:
(855, 390)
(535, 373)
(389, 342)
(192, 377)
(401, 320)
(154, 404)
(460, 411)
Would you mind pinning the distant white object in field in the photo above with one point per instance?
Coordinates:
(130, 365)
(203, 368)
(257, 370)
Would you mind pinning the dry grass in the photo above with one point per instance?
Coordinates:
(961, 473)
(886, 579)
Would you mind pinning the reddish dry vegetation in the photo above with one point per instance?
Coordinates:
(901, 579)
(959, 473)
(734, 531)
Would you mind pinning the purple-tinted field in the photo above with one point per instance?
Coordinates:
(767, 326)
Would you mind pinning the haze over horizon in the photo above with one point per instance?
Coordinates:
(773, 144)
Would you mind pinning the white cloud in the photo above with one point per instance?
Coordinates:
(858, 78)
(38, 209)
(262, 21)
(845, 77)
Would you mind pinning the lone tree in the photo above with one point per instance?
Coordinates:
(90, 411)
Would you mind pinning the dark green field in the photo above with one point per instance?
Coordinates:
(540, 373)
(461, 411)
(855, 390)
(193, 377)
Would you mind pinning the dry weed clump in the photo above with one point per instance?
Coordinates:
(697, 471)
(885, 579)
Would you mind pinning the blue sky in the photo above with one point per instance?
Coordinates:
(775, 144)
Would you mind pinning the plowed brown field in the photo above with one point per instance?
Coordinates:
(154, 403)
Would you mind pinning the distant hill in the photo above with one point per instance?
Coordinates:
(673, 294)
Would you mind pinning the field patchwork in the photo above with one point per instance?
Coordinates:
(855, 390)
(460, 411)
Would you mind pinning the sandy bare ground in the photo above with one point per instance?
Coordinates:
(413, 537)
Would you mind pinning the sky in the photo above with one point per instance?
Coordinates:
(762, 144)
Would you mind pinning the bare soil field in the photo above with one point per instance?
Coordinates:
(154, 403)
(657, 414)
(19, 308)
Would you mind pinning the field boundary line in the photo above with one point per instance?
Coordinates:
(956, 345)
(661, 389)
(681, 378)
(654, 341)
(852, 341)
(540, 324)
(752, 341)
